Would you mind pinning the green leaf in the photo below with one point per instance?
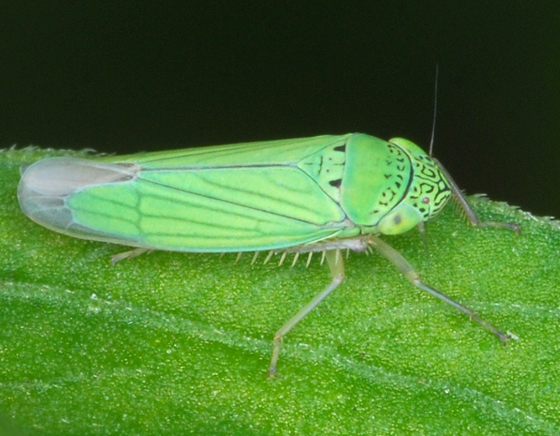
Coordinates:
(170, 343)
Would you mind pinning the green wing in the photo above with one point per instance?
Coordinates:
(241, 197)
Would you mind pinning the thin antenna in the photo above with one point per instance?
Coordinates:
(435, 111)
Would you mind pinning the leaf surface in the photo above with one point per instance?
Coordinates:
(169, 343)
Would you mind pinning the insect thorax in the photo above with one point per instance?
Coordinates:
(383, 186)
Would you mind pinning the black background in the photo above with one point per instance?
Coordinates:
(140, 76)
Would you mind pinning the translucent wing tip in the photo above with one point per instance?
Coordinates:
(46, 185)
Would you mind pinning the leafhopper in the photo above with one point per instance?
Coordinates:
(321, 194)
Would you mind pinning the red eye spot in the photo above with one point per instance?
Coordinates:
(426, 200)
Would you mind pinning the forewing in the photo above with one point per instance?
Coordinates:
(267, 203)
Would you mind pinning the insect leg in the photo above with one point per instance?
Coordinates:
(336, 265)
(129, 254)
(469, 212)
(406, 269)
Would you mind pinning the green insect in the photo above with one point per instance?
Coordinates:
(321, 194)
